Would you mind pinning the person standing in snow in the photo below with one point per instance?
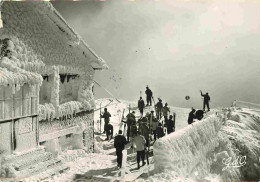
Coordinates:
(139, 142)
(159, 106)
(106, 117)
(205, 100)
(144, 129)
(109, 131)
(159, 131)
(165, 111)
(154, 127)
(150, 117)
(119, 144)
(130, 121)
(141, 105)
(191, 116)
(149, 95)
(170, 125)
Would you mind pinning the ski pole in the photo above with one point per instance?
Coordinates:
(100, 118)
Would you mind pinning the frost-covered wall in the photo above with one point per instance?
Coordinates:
(69, 86)
(37, 42)
(190, 152)
(6, 140)
(25, 134)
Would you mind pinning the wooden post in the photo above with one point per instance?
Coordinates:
(12, 137)
(100, 118)
(93, 135)
(37, 130)
(123, 165)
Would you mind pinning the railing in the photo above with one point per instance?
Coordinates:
(244, 104)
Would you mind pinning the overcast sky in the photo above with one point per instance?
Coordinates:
(175, 47)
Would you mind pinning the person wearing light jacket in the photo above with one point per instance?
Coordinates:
(154, 127)
(139, 141)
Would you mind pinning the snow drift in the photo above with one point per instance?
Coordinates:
(206, 149)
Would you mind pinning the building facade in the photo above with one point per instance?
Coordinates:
(46, 86)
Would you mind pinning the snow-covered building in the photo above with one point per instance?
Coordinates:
(46, 85)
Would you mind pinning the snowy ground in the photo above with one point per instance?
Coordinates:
(104, 161)
(242, 125)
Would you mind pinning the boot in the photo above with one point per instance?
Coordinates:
(143, 163)
(138, 166)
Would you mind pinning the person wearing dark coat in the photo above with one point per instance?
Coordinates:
(144, 129)
(141, 106)
(106, 117)
(159, 131)
(149, 95)
(159, 106)
(205, 100)
(109, 131)
(170, 125)
(191, 116)
(130, 121)
(119, 144)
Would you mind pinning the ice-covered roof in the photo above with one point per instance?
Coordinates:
(18, 78)
(56, 25)
(75, 39)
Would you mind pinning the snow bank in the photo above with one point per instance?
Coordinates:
(182, 151)
(201, 151)
(243, 129)
(190, 151)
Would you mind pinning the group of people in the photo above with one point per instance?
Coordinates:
(138, 133)
(199, 113)
(108, 128)
(149, 124)
(139, 130)
(138, 140)
(159, 108)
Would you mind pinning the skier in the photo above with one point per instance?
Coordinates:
(154, 127)
(199, 114)
(133, 130)
(165, 111)
(191, 116)
(106, 117)
(130, 121)
(159, 131)
(150, 117)
(119, 144)
(139, 142)
(170, 125)
(159, 107)
(141, 105)
(206, 100)
(149, 95)
(144, 129)
(109, 131)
